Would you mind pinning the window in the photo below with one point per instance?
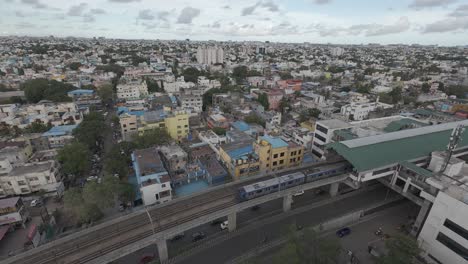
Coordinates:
(456, 228)
(299, 152)
(282, 154)
(316, 153)
(434, 259)
(322, 129)
(178, 126)
(163, 185)
(275, 163)
(452, 245)
(34, 179)
(281, 161)
(186, 126)
(275, 156)
(24, 190)
(21, 183)
(321, 138)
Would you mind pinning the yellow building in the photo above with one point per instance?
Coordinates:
(276, 154)
(240, 159)
(177, 125)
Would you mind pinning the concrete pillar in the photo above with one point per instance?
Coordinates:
(394, 178)
(162, 250)
(287, 201)
(232, 221)
(421, 217)
(407, 184)
(334, 189)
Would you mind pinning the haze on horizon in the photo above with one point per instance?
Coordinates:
(442, 22)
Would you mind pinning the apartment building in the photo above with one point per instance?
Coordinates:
(12, 213)
(210, 55)
(132, 89)
(276, 154)
(323, 134)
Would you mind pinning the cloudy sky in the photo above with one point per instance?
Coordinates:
(443, 22)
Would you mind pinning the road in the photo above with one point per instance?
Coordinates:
(236, 245)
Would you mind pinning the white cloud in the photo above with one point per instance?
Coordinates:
(420, 4)
(187, 15)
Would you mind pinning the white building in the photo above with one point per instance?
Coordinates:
(132, 89)
(210, 55)
(152, 178)
(32, 177)
(324, 132)
(360, 111)
(191, 103)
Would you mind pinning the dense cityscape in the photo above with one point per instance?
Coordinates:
(187, 151)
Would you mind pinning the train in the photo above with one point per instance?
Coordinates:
(277, 184)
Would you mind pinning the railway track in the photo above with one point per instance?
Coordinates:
(141, 226)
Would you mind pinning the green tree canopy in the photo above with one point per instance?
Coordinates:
(401, 250)
(37, 127)
(75, 66)
(74, 158)
(263, 100)
(425, 87)
(106, 92)
(239, 74)
(91, 130)
(42, 89)
(254, 119)
(219, 131)
(153, 137)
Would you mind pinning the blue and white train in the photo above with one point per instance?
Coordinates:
(258, 189)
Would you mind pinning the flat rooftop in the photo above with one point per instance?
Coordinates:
(373, 152)
(33, 168)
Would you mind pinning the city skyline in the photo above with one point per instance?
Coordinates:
(426, 22)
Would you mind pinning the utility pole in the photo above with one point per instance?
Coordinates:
(455, 138)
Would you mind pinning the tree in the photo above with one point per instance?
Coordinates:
(285, 75)
(106, 92)
(401, 250)
(37, 127)
(219, 131)
(153, 86)
(254, 119)
(91, 130)
(425, 87)
(263, 100)
(74, 66)
(239, 74)
(396, 94)
(308, 249)
(307, 114)
(153, 137)
(41, 89)
(74, 158)
(191, 74)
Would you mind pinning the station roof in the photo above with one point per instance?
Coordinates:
(421, 171)
(401, 124)
(377, 151)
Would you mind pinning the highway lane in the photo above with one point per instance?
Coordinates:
(92, 242)
(228, 249)
(248, 217)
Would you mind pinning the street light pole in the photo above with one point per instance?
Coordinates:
(151, 219)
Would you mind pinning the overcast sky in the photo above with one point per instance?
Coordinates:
(443, 22)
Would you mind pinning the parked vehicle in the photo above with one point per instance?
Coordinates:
(343, 232)
(299, 193)
(217, 222)
(36, 203)
(198, 236)
(147, 259)
(224, 225)
(177, 237)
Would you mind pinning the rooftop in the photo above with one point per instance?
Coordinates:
(241, 125)
(31, 168)
(59, 130)
(147, 164)
(334, 124)
(80, 91)
(275, 142)
(382, 150)
(8, 202)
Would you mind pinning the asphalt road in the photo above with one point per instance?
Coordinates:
(237, 245)
(363, 233)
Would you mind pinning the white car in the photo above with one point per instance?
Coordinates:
(36, 203)
(224, 225)
(299, 193)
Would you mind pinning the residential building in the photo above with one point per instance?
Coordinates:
(15, 153)
(215, 173)
(152, 179)
(177, 125)
(191, 103)
(240, 159)
(32, 177)
(276, 154)
(360, 111)
(217, 120)
(132, 89)
(274, 99)
(174, 157)
(128, 126)
(324, 132)
(13, 213)
(210, 55)
(59, 136)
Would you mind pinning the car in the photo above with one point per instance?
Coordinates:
(92, 178)
(343, 232)
(255, 208)
(177, 237)
(298, 193)
(224, 225)
(217, 222)
(36, 203)
(198, 236)
(147, 259)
